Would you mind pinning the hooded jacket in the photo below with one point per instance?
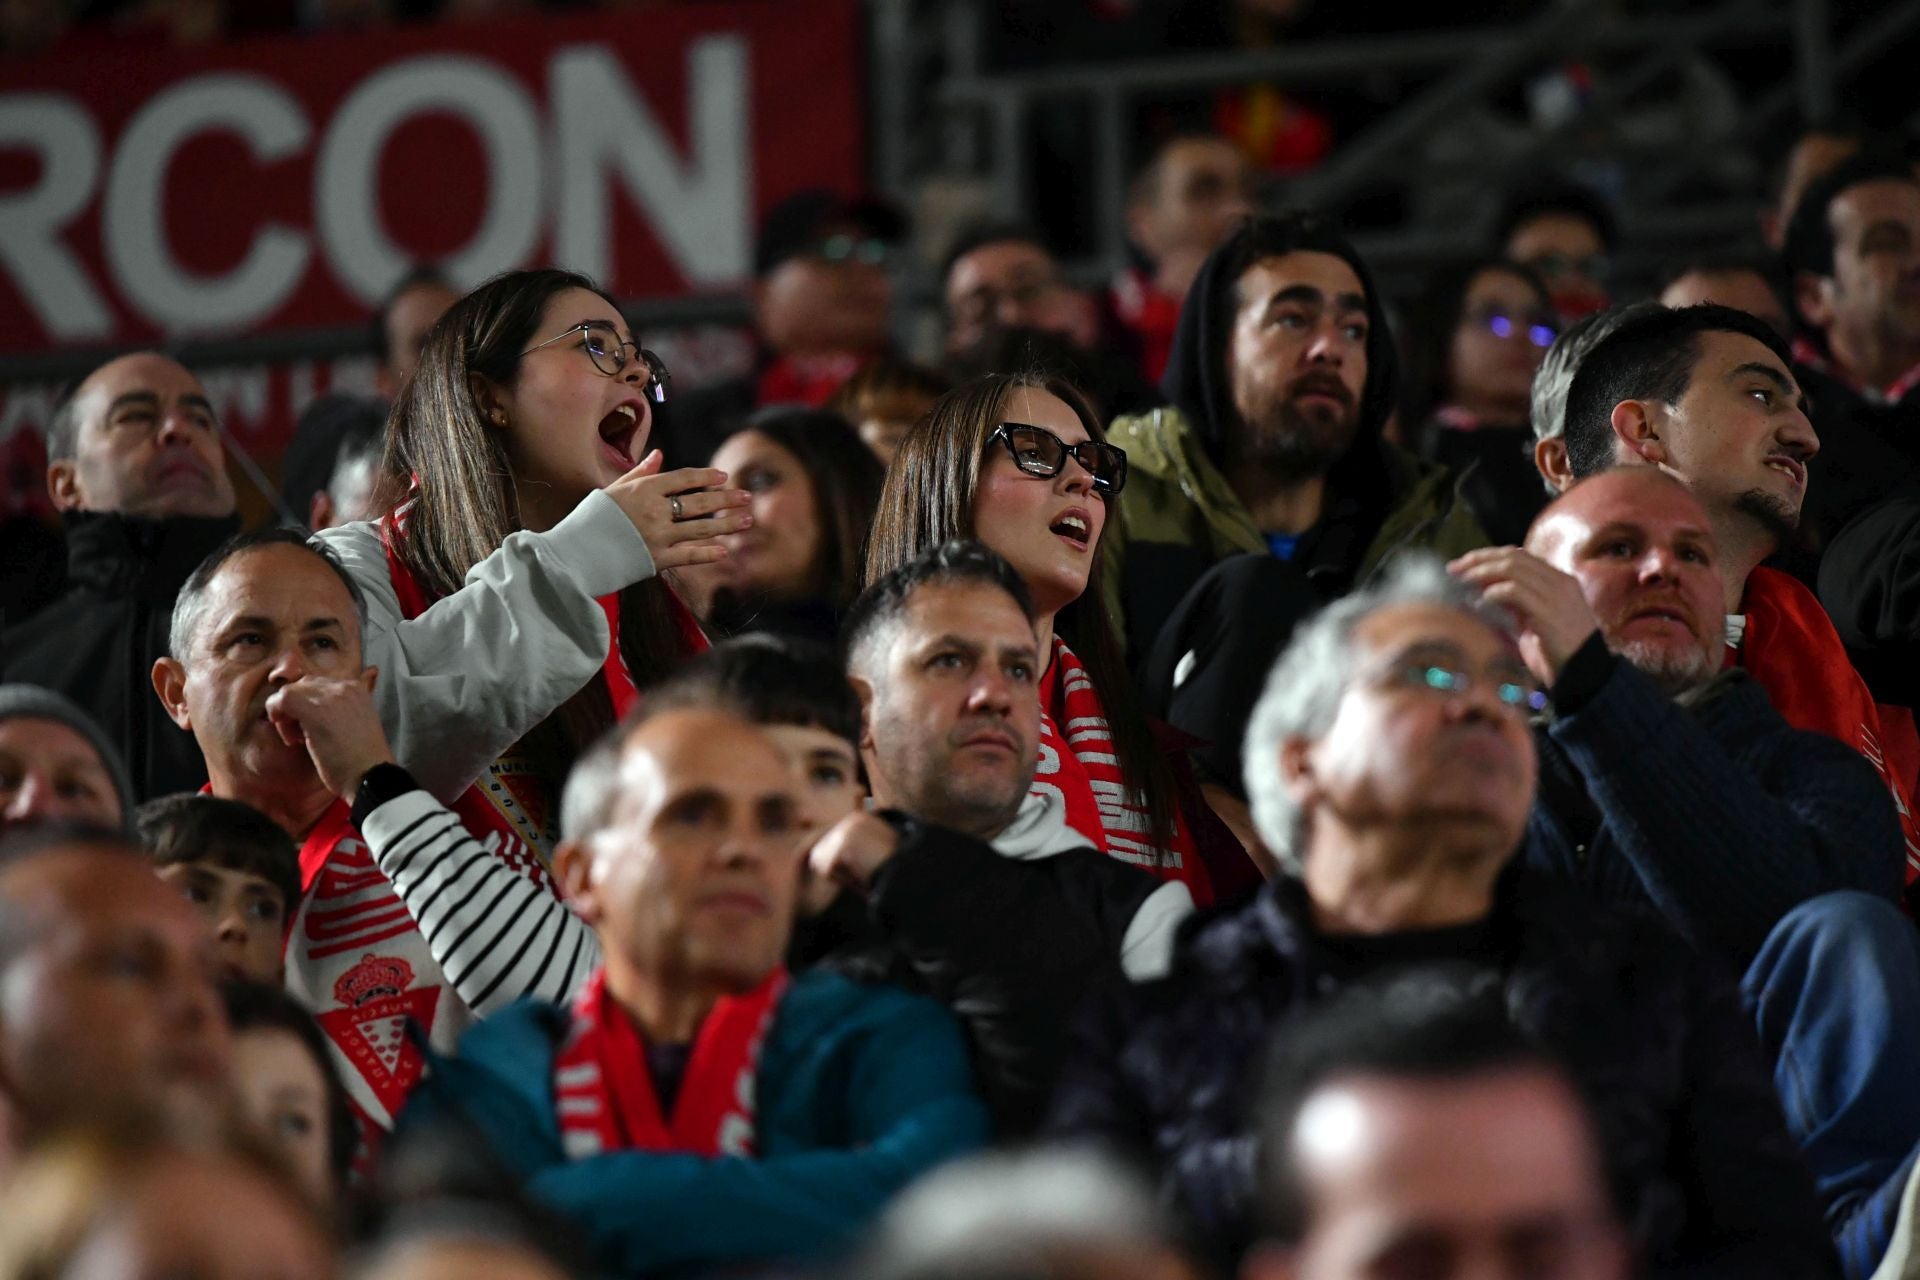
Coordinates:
(98, 643)
(1180, 515)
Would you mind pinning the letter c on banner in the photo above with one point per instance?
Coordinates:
(346, 178)
(133, 215)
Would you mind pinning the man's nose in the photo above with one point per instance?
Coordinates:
(289, 664)
(1797, 433)
(33, 798)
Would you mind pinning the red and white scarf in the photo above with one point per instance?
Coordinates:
(603, 1089)
(1788, 644)
(513, 804)
(1805, 353)
(1084, 771)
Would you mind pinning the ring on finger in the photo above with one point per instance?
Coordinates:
(673, 501)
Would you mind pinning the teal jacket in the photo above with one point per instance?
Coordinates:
(860, 1090)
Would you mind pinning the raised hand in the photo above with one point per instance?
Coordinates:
(335, 718)
(1548, 604)
(687, 536)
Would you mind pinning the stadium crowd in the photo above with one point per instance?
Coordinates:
(1222, 778)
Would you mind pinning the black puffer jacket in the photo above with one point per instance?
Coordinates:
(97, 644)
(1699, 1155)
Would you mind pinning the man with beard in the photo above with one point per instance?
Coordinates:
(1271, 471)
(1707, 395)
(136, 467)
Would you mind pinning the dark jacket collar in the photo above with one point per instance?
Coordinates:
(136, 556)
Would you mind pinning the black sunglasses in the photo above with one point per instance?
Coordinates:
(1039, 452)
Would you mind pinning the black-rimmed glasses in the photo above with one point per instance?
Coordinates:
(1039, 452)
(608, 351)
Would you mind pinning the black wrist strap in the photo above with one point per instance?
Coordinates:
(382, 783)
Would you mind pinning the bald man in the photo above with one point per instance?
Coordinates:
(136, 467)
(1669, 783)
(1667, 780)
(107, 998)
(682, 849)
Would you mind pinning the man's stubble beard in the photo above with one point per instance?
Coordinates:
(1777, 518)
(1675, 673)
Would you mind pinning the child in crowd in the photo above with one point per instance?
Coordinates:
(237, 866)
(283, 1077)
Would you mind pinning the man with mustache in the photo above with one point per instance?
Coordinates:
(136, 467)
(1392, 770)
(1271, 470)
(1707, 394)
(963, 885)
(695, 1106)
(1773, 848)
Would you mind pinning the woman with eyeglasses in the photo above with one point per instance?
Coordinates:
(513, 597)
(1476, 338)
(813, 484)
(1020, 462)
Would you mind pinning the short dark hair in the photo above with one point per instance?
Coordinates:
(1651, 357)
(977, 235)
(1439, 1024)
(254, 1006)
(1556, 196)
(1809, 241)
(957, 562)
(187, 606)
(191, 828)
(419, 276)
(768, 680)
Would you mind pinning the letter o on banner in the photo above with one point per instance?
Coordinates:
(346, 177)
(133, 214)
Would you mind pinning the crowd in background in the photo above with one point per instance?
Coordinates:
(1224, 774)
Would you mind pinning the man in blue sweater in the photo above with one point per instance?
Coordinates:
(694, 1104)
(1668, 782)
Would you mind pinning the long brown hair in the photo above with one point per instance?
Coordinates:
(928, 499)
(442, 450)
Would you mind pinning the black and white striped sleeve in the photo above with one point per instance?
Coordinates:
(496, 933)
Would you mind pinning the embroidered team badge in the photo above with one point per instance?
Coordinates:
(370, 1027)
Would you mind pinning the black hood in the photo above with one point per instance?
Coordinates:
(1196, 377)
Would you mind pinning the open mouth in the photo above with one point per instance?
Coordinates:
(1790, 467)
(1663, 613)
(1074, 527)
(617, 430)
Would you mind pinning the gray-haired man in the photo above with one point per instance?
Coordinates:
(1390, 770)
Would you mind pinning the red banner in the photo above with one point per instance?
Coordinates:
(287, 182)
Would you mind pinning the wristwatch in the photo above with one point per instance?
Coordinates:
(380, 784)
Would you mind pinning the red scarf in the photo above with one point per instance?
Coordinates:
(1791, 648)
(1152, 316)
(603, 1088)
(1084, 770)
(809, 380)
(512, 801)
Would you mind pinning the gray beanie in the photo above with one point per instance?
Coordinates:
(30, 701)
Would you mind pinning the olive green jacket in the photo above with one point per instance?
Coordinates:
(1174, 493)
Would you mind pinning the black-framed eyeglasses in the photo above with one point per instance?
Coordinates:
(1039, 452)
(608, 351)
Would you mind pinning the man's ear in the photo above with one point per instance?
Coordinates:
(573, 872)
(170, 682)
(320, 511)
(63, 484)
(863, 690)
(1295, 759)
(1550, 459)
(1636, 429)
(1813, 296)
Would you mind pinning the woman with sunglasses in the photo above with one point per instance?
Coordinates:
(1019, 461)
(513, 598)
(1477, 336)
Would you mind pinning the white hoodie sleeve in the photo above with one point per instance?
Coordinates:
(472, 674)
(1146, 952)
